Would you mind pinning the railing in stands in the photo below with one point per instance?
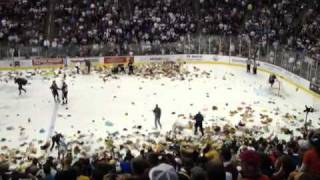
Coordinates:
(294, 60)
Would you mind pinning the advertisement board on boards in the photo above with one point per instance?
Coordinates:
(117, 59)
(47, 61)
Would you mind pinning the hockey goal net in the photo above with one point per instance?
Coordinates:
(276, 88)
(316, 104)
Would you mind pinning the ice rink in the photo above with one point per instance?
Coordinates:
(97, 108)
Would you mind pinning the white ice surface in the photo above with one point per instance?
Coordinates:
(93, 102)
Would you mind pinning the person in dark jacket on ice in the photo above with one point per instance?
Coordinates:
(248, 66)
(272, 79)
(64, 90)
(88, 64)
(199, 118)
(130, 68)
(157, 115)
(254, 69)
(56, 140)
(21, 82)
(54, 89)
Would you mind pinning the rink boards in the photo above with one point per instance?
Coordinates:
(291, 78)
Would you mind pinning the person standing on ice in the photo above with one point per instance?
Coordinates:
(64, 90)
(130, 68)
(254, 69)
(88, 64)
(78, 67)
(54, 89)
(248, 65)
(272, 79)
(157, 115)
(56, 140)
(21, 82)
(199, 119)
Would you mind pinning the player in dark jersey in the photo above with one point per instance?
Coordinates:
(21, 82)
(64, 90)
(199, 119)
(54, 89)
(272, 79)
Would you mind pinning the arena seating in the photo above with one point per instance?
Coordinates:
(293, 24)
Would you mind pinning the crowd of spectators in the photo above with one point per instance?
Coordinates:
(23, 22)
(291, 23)
(150, 22)
(235, 158)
